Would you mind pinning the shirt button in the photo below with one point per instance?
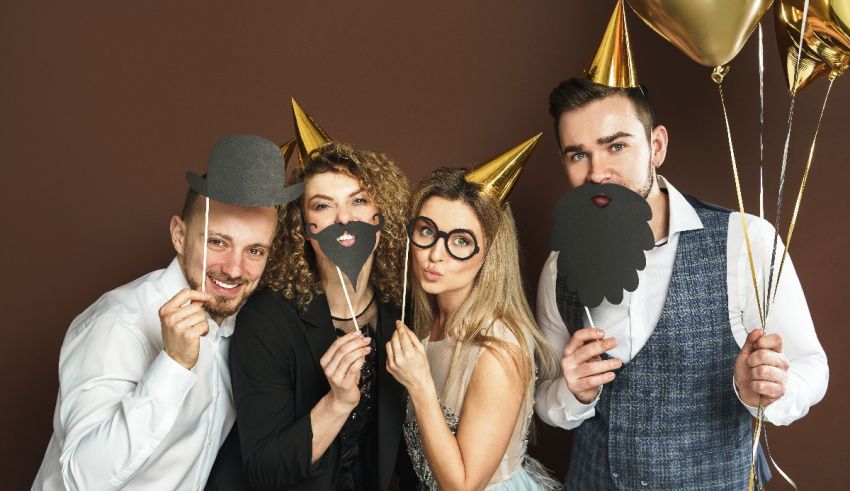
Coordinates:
(209, 441)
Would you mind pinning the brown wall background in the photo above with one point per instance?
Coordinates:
(105, 105)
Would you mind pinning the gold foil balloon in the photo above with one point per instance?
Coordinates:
(788, 23)
(498, 175)
(829, 23)
(830, 20)
(308, 134)
(710, 32)
(613, 64)
(825, 47)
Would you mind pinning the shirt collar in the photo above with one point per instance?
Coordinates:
(173, 281)
(682, 215)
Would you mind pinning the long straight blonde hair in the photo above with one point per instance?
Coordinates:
(498, 293)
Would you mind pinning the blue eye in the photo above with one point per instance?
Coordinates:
(461, 241)
(578, 156)
(617, 147)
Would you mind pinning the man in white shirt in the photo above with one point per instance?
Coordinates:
(144, 399)
(660, 391)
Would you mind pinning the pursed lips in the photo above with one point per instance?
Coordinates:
(600, 200)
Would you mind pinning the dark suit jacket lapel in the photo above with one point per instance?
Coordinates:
(318, 327)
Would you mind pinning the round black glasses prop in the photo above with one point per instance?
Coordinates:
(461, 244)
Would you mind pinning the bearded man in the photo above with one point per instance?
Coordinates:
(662, 388)
(145, 399)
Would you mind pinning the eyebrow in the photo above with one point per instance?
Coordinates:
(324, 196)
(573, 148)
(228, 238)
(600, 141)
(615, 136)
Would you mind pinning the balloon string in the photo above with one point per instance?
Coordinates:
(761, 122)
(206, 239)
(756, 436)
(752, 267)
(802, 186)
(404, 279)
(778, 469)
(770, 286)
(740, 202)
(347, 299)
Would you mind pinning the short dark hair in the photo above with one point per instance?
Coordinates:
(574, 93)
(190, 205)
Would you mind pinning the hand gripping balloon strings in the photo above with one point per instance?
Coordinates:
(404, 279)
(206, 239)
(770, 289)
(347, 299)
(717, 76)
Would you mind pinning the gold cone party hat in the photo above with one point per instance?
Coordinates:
(613, 64)
(498, 175)
(286, 150)
(308, 134)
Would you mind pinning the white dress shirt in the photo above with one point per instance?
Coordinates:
(127, 415)
(632, 321)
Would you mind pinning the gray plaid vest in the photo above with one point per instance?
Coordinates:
(671, 420)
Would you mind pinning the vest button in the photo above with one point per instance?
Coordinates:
(643, 483)
(615, 475)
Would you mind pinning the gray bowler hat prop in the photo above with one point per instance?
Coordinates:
(245, 170)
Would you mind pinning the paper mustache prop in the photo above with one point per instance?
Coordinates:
(602, 231)
(349, 259)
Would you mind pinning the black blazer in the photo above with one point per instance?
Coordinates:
(277, 379)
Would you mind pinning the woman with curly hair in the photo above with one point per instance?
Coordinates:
(307, 385)
(471, 377)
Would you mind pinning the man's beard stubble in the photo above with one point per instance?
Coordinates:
(220, 305)
(644, 191)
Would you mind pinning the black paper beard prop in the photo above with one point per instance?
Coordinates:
(602, 231)
(352, 258)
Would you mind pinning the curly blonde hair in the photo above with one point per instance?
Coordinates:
(292, 270)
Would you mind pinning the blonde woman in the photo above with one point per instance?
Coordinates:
(471, 378)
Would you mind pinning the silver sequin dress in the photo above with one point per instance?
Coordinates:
(516, 471)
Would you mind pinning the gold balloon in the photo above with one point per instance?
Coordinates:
(789, 19)
(710, 32)
(830, 20)
(826, 42)
(498, 175)
(308, 134)
(613, 64)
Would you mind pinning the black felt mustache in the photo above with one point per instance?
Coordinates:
(348, 259)
(602, 248)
